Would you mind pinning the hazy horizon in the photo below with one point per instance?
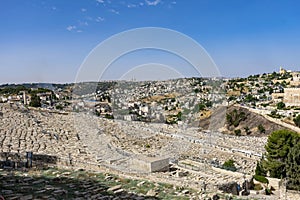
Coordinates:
(126, 78)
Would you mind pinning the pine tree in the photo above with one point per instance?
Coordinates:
(278, 146)
(293, 167)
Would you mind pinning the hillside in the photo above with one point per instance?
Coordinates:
(244, 120)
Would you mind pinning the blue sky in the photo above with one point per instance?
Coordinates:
(47, 40)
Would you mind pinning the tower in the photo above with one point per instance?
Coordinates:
(24, 98)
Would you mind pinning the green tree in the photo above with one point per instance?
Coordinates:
(297, 120)
(201, 106)
(35, 101)
(208, 104)
(277, 148)
(261, 179)
(261, 128)
(293, 167)
(250, 98)
(229, 165)
(179, 116)
(238, 132)
(235, 117)
(259, 170)
(280, 105)
(59, 107)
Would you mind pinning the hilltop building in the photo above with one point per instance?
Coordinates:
(295, 81)
(282, 71)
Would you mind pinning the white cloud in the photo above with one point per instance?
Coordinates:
(79, 31)
(100, 1)
(99, 19)
(70, 28)
(131, 6)
(53, 8)
(83, 9)
(114, 11)
(152, 3)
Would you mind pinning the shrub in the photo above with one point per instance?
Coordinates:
(108, 116)
(261, 128)
(179, 116)
(59, 107)
(261, 179)
(247, 130)
(237, 132)
(258, 187)
(201, 106)
(229, 165)
(280, 105)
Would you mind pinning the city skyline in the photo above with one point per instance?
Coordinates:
(47, 41)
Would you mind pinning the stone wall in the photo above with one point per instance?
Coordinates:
(292, 96)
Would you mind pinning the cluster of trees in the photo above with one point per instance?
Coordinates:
(9, 90)
(17, 89)
(282, 159)
(277, 76)
(235, 117)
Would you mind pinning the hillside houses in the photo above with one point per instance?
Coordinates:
(169, 101)
(290, 94)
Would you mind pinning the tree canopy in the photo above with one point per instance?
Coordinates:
(297, 121)
(293, 167)
(280, 105)
(35, 101)
(282, 159)
(278, 146)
